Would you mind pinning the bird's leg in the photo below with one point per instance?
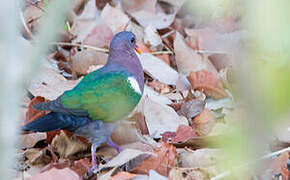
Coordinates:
(94, 158)
(114, 145)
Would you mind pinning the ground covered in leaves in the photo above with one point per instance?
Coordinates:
(189, 64)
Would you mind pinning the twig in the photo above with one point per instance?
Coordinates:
(81, 46)
(162, 52)
(226, 173)
(210, 52)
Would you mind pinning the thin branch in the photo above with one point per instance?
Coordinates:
(226, 173)
(81, 46)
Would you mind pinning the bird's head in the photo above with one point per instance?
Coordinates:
(124, 40)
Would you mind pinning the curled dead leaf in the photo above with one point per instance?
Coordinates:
(204, 122)
(162, 163)
(208, 83)
(67, 146)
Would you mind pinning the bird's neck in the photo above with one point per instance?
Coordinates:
(129, 60)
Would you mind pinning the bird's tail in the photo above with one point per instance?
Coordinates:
(54, 121)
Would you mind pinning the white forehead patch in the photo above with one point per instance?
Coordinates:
(134, 84)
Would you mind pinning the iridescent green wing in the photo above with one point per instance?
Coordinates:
(105, 96)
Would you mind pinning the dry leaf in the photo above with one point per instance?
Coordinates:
(162, 163)
(161, 118)
(191, 108)
(100, 36)
(36, 156)
(114, 17)
(165, 58)
(32, 113)
(131, 134)
(158, 20)
(29, 140)
(123, 157)
(123, 176)
(208, 83)
(67, 146)
(83, 60)
(158, 69)
(151, 37)
(199, 37)
(150, 93)
(204, 122)
(81, 166)
(50, 84)
(132, 6)
(191, 173)
(159, 87)
(189, 61)
(63, 174)
(156, 17)
(183, 133)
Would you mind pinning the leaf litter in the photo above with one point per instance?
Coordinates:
(186, 60)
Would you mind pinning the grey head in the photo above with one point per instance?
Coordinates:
(124, 40)
(123, 53)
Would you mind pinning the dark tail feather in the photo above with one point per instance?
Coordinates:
(54, 121)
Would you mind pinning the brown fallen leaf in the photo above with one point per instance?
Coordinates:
(156, 17)
(159, 87)
(161, 118)
(191, 108)
(125, 156)
(189, 61)
(131, 134)
(158, 69)
(84, 59)
(63, 174)
(36, 156)
(100, 36)
(133, 6)
(50, 84)
(204, 122)
(114, 17)
(183, 133)
(81, 166)
(123, 176)
(139, 118)
(29, 140)
(199, 37)
(67, 146)
(208, 83)
(32, 113)
(162, 163)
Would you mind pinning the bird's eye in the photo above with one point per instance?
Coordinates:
(132, 40)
